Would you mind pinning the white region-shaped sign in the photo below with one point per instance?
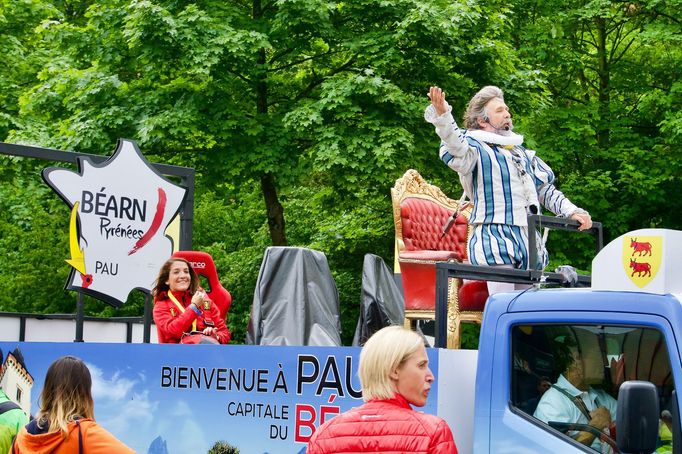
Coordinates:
(646, 260)
(119, 212)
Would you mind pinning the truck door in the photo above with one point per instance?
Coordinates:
(556, 386)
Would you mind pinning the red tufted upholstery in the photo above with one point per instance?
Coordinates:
(423, 222)
(203, 265)
(420, 211)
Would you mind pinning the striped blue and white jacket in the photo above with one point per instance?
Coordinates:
(501, 177)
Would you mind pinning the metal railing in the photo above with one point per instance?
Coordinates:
(24, 326)
(450, 270)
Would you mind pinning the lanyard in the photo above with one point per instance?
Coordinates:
(181, 308)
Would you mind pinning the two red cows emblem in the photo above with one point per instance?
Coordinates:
(642, 258)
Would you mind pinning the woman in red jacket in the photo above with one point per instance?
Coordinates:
(394, 373)
(66, 422)
(181, 308)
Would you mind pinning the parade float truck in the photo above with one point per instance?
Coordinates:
(191, 398)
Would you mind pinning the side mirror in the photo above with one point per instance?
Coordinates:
(637, 417)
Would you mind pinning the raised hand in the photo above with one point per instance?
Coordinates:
(437, 97)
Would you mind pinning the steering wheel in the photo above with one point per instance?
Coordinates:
(603, 437)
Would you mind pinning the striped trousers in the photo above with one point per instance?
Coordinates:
(503, 244)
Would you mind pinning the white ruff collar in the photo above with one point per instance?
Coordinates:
(497, 139)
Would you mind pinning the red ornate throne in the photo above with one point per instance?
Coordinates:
(420, 210)
(203, 265)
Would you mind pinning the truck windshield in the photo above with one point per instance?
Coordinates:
(565, 375)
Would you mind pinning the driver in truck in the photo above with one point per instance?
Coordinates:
(571, 400)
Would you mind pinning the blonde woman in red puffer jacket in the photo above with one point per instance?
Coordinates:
(394, 373)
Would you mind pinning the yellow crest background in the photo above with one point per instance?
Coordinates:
(647, 253)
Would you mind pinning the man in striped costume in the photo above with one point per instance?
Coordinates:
(504, 180)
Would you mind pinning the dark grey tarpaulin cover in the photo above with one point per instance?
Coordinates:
(296, 301)
(381, 303)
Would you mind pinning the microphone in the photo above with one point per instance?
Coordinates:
(501, 128)
(448, 224)
(451, 219)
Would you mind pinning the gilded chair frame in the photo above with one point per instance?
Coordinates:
(413, 185)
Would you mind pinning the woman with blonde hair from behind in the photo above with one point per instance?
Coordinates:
(394, 374)
(66, 420)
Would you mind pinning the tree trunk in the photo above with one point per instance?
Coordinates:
(603, 130)
(274, 210)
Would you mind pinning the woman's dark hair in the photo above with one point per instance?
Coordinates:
(66, 395)
(160, 284)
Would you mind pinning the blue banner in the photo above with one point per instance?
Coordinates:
(185, 398)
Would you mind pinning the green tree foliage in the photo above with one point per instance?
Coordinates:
(314, 106)
(299, 115)
(32, 268)
(610, 127)
(20, 46)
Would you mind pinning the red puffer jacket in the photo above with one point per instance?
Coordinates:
(386, 426)
(172, 323)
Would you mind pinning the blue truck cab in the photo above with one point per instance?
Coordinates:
(623, 333)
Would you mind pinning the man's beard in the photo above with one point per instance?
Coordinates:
(505, 130)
